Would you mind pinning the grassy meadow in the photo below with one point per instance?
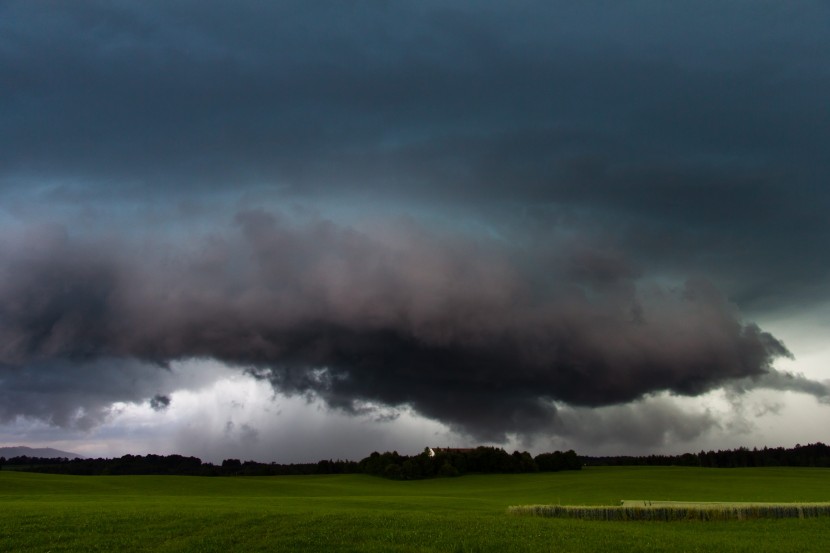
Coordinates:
(41, 512)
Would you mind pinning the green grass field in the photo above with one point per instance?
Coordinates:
(360, 513)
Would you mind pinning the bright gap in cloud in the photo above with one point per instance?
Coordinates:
(805, 334)
(217, 412)
(238, 416)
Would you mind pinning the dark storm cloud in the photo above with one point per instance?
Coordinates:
(606, 149)
(706, 122)
(465, 330)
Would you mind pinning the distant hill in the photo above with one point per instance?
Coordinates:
(42, 452)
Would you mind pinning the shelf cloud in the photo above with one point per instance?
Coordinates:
(469, 331)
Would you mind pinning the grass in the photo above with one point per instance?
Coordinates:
(41, 512)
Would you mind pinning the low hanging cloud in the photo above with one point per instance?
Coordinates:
(74, 393)
(159, 402)
(655, 421)
(481, 334)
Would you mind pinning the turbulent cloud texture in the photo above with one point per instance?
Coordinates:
(497, 215)
(465, 330)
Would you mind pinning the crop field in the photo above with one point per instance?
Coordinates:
(676, 510)
(40, 512)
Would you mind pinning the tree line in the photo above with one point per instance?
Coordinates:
(171, 465)
(389, 465)
(810, 455)
(482, 460)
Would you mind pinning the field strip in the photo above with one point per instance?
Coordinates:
(709, 504)
(676, 510)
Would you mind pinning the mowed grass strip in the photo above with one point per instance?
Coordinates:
(364, 514)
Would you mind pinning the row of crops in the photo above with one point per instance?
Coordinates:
(681, 511)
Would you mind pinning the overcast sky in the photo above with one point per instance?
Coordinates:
(288, 231)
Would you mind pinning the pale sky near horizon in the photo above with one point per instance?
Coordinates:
(302, 230)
